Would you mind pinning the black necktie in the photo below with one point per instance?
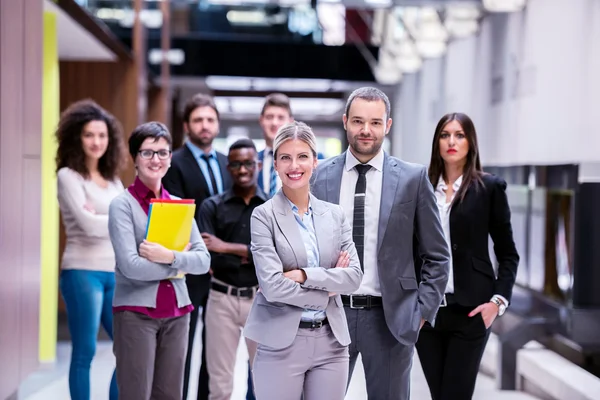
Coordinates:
(358, 223)
(213, 180)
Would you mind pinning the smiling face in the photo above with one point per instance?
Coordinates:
(295, 163)
(242, 166)
(153, 160)
(94, 139)
(454, 146)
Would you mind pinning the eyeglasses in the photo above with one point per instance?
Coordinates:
(149, 154)
(238, 164)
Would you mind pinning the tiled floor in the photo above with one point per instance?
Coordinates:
(52, 383)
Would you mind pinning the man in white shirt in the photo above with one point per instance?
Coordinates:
(394, 217)
(275, 113)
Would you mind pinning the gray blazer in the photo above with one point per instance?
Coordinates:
(408, 220)
(277, 247)
(136, 278)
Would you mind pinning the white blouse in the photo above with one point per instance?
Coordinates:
(444, 208)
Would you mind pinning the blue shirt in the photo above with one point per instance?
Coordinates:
(213, 163)
(309, 237)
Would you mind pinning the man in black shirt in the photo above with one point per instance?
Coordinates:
(225, 227)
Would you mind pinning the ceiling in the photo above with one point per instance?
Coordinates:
(74, 42)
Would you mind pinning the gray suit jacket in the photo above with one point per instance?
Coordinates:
(408, 216)
(277, 247)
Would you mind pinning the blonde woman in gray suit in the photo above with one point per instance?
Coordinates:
(304, 257)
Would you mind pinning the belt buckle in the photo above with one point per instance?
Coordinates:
(352, 304)
(444, 302)
(316, 324)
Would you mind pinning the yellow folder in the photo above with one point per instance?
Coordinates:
(170, 223)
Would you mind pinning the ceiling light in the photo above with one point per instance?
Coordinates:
(380, 3)
(504, 5)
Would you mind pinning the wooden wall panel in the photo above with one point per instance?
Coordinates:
(20, 183)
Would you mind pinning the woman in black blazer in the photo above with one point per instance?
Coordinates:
(472, 205)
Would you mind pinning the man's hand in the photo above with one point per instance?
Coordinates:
(156, 253)
(297, 275)
(213, 243)
(422, 323)
(489, 312)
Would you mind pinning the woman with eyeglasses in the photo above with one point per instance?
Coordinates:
(151, 304)
(90, 155)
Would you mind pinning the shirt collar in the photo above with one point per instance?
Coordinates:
(442, 185)
(375, 162)
(142, 192)
(197, 151)
(230, 194)
(296, 209)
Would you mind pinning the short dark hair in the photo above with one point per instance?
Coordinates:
(277, 100)
(199, 100)
(369, 93)
(243, 143)
(142, 132)
(68, 134)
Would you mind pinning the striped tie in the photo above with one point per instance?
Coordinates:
(358, 222)
(273, 180)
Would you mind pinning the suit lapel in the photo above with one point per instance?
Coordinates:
(289, 227)
(323, 230)
(391, 177)
(261, 157)
(334, 178)
(225, 176)
(192, 165)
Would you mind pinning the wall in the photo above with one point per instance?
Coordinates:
(50, 216)
(21, 25)
(529, 80)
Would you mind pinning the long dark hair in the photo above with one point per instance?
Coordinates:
(70, 149)
(472, 171)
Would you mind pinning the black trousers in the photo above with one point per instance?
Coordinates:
(451, 352)
(203, 378)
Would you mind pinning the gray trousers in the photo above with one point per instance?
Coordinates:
(315, 366)
(387, 362)
(150, 355)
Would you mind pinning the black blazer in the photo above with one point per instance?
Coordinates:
(185, 179)
(484, 211)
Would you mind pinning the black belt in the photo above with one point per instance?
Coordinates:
(448, 300)
(362, 302)
(232, 290)
(313, 324)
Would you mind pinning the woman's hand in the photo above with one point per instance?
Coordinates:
(297, 275)
(343, 260)
(156, 253)
(489, 312)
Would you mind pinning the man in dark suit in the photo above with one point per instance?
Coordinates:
(198, 172)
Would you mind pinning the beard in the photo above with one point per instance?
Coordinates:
(366, 149)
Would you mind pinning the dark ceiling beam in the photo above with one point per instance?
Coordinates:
(292, 94)
(97, 29)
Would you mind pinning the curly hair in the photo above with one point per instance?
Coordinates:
(70, 150)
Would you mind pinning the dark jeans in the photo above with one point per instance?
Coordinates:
(88, 296)
(150, 355)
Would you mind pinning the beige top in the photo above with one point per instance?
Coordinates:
(88, 245)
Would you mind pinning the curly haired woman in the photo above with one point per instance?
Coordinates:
(90, 155)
